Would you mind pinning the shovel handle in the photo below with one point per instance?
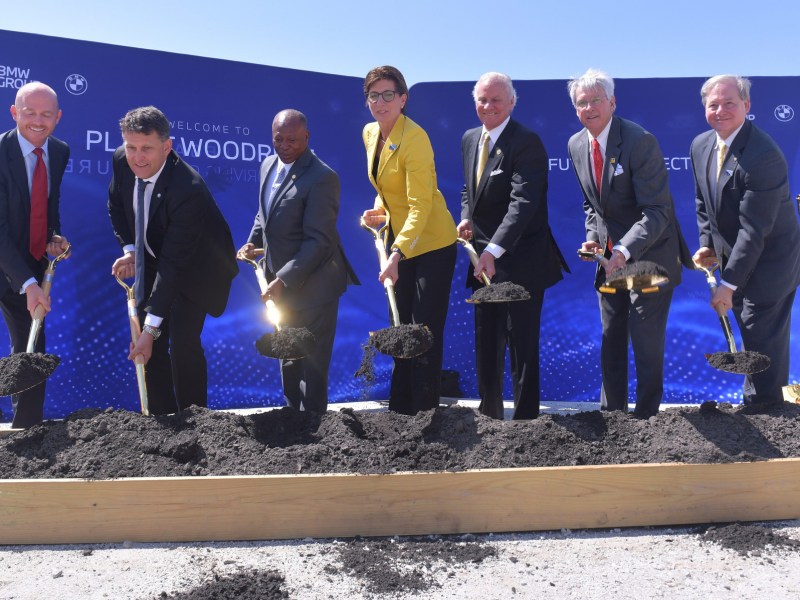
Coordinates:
(724, 321)
(473, 258)
(388, 284)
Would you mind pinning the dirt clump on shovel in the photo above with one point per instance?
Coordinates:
(505, 291)
(288, 343)
(744, 363)
(23, 370)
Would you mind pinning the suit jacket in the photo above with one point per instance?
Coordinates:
(635, 208)
(751, 221)
(299, 232)
(508, 207)
(407, 188)
(16, 263)
(190, 238)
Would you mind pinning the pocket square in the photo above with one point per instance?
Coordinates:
(495, 172)
(618, 170)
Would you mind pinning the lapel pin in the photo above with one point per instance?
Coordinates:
(392, 147)
(294, 177)
(613, 160)
(499, 152)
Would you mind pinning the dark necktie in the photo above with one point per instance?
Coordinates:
(140, 249)
(38, 241)
(597, 161)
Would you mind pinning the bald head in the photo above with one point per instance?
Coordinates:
(36, 112)
(289, 134)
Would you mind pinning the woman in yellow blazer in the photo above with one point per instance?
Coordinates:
(422, 232)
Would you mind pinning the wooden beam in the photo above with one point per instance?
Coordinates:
(298, 506)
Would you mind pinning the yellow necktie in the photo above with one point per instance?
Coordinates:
(483, 158)
(722, 149)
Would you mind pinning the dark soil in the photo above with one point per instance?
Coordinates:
(744, 363)
(402, 341)
(252, 585)
(401, 565)
(24, 370)
(750, 540)
(287, 343)
(640, 275)
(96, 444)
(505, 291)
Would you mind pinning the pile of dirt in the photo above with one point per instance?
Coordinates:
(750, 540)
(23, 370)
(252, 585)
(505, 291)
(114, 443)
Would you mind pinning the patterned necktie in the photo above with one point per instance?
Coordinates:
(38, 233)
(597, 161)
(722, 149)
(138, 285)
(483, 158)
(275, 185)
(273, 192)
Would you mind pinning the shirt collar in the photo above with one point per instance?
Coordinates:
(602, 139)
(495, 133)
(729, 140)
(155, 177)
(27, 147)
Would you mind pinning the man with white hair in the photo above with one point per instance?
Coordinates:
(504, 212)
(32, 163)
(630, 215)
(748, 225)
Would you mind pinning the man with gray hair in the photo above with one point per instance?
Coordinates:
(629, 215)
(504, 211)
(748, 225)
(32, 164)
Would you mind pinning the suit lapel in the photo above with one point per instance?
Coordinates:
(299, 167)
(611, 160)
(471, 156)
(161, 186)
(19, 173)
(731, 160)
(391, 145)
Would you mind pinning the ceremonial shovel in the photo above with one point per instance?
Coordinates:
(500, 292)
(138, 360)
(24, 370)
(287, 343)
(745, 362)
(401, 340)
(642, 276)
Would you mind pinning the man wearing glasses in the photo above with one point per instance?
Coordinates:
(629, 216)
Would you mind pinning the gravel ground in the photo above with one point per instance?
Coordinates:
(745, 561)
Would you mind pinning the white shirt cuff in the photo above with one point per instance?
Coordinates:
(495, 250)
(624, 251)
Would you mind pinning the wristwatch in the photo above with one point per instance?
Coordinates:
(397, 251)
(154, 331)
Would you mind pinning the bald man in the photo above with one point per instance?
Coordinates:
(32, 163)
(298, 204)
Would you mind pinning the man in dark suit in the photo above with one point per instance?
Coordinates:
(630, 215)
(184, 263)
(504, 210)
(32, 163)
(305, 263)
(748, 224)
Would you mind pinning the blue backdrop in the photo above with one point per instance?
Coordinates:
(221, 113)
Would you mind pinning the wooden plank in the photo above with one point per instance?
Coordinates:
(298, 506)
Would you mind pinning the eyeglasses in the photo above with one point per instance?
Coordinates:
(387, 96)
(584, 103)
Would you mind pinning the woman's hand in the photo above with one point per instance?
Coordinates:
(374, 217)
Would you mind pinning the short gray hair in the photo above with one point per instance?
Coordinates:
(492, 76)
(742, 84)
(592, 79)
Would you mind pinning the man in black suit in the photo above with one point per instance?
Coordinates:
(32, 163)
(748, 224)
(629, 216)
(305, 262)
(504, 210)
(188, 259)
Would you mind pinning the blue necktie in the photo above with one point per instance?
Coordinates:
(273, 192)
(138, 285)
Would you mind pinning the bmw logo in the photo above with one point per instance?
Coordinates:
(76, 84)
(784, 113)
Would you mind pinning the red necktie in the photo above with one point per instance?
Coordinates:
(597, 159)
(38, 242)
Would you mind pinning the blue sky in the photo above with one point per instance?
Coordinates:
(445, 40)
